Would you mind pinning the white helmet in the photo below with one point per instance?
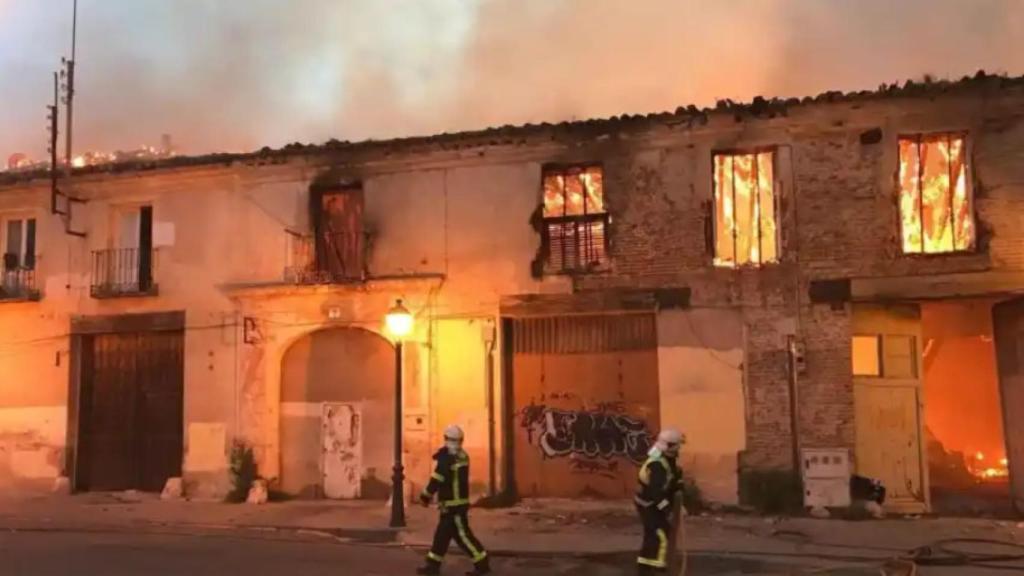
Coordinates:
(453, 437)
(669, 441)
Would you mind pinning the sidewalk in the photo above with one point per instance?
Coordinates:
(545, 527)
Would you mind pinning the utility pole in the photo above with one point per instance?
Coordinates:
(68, 74)
(69, 87)
(53, 118)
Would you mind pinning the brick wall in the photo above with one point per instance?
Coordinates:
(839, 219)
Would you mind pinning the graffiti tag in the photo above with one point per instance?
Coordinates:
(561, 433)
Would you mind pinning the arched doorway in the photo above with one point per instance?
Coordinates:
(337, 415)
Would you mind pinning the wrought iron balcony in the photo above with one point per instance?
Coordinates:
(336, 259)
(18, 284)
(123, 272)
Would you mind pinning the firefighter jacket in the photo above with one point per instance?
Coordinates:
(450, 480)
(660, 480)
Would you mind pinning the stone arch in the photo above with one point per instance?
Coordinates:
(336, 365)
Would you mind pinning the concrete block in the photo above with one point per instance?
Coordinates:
(173, 490)
(257, 493)
(62, 485)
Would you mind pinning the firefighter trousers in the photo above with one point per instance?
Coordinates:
(654, 550)
(454, 524)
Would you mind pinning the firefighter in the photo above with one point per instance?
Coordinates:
(660, 479)
(450, 482)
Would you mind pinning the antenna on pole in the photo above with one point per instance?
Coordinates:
(68, 72)
(54, 110)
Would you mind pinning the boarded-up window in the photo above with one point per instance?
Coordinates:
(935, 210)
(888, 356)
(745, 221)
(575, 219)
(899, 356)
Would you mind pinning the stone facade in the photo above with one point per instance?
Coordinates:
(449, 220)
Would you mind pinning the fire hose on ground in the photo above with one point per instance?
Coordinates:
(946, 553)
(949, 552)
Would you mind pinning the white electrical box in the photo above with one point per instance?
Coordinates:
(826, 476)
(820, 463)
(827, 492)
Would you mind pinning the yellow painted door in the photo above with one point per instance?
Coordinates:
(888, 402)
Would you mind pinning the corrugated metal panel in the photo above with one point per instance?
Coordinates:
(585, 334)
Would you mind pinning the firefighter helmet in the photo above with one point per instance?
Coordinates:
(453, 432)
(453, 439)
(669, 441)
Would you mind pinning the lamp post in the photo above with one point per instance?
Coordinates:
(399, 323)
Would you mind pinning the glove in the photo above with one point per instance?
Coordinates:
(425, 499)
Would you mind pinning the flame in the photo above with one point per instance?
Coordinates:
(935, 210)
(573, 192)
(980, 469)
(745, 227)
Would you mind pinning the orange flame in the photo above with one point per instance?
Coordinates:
(745, 227)
(935, 210)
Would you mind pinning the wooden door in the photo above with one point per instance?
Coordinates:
(108, 415)
(886, 349)
(1008, 325)
(131, 411)
(160, 401)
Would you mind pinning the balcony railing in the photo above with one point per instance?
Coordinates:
(18, 284)
(340, 260)
(123, 272)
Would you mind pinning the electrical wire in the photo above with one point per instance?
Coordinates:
(710, 351)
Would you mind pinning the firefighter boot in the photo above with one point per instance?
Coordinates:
(480, 568)
(429, 569)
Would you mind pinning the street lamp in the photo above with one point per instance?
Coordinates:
(399, 323)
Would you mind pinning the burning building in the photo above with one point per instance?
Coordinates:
(840, 272)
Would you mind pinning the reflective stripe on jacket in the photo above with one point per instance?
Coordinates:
(450, 480)
(659, 480)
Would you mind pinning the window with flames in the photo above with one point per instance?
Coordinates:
(745, 218)
(575, 219)
(935, 208)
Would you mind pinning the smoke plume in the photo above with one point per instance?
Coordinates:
(241, 75)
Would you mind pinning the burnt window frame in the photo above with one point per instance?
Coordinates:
(580, 222)
(920, 136)
(320, 266)
(711, 230)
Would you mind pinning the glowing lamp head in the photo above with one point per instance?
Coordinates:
(399, 321)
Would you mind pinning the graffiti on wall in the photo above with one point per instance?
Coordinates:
(591, 434)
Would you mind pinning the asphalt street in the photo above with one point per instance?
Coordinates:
(53, 553)
(48, 552)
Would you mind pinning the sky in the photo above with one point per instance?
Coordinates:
(237, 75)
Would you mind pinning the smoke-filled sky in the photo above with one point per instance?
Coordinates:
(240, 74)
